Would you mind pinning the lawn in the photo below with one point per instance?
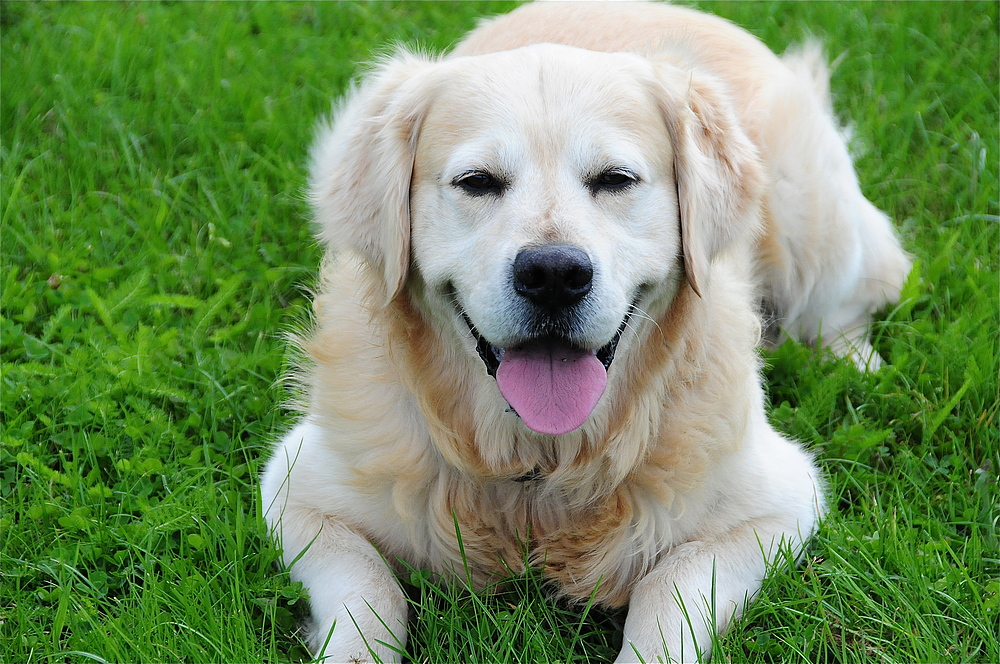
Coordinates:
(156, 247)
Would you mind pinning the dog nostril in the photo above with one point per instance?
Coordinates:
(531, 277)
(553, 275)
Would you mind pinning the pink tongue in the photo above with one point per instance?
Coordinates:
(552, 387)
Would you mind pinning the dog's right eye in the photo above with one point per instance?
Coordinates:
(479, 183)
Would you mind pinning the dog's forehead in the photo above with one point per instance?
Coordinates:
(545, 87)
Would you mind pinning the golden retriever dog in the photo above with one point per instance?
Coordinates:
(549, 255)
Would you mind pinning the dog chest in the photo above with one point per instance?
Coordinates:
(507, 524)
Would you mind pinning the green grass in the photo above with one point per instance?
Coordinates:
(155, 246)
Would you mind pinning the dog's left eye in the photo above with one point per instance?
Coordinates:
(613, 179)
(479, 183)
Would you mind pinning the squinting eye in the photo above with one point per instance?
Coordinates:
(479, 183)
(613, 179)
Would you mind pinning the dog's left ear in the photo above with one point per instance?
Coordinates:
(362, 165)
(718, 173)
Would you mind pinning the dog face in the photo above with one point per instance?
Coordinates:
(539, 226)
(541, 200)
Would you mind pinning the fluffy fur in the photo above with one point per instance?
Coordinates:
(675, 494)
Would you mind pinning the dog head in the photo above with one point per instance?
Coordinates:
(540, 200)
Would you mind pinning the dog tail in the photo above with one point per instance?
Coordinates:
(808, 63)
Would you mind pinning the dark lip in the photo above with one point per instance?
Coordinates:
(492, 355)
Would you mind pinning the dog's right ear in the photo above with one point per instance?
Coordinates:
(362, 164)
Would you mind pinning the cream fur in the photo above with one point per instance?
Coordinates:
(676, 479)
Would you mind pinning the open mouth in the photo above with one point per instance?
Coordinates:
(493, 355)
(551, 383)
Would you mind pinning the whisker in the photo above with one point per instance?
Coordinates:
(641, 313)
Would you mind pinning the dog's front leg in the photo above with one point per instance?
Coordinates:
(697, 588)
(357, 605)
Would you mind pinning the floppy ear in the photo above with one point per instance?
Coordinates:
(718, 174)
(362, 164)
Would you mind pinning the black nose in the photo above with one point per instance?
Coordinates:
(553, 275)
